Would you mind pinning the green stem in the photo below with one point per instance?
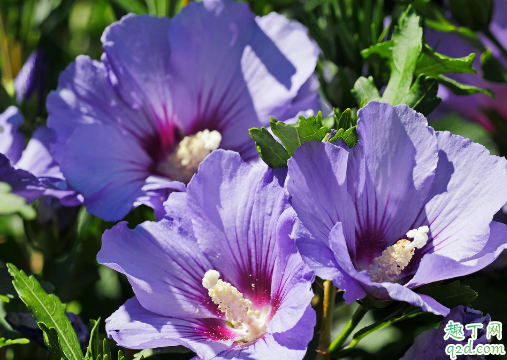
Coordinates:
(495, 41)
(356, 318)
(396, 316)
(327, 320)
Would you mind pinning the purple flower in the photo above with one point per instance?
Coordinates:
(134, 127)
(430, 345)
(407, 206)
(453, 45)
(22, 182)
(225, 242)
(36, 164)
(32, 77)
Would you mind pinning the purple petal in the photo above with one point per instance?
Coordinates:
(32, 77)
(389, 175)
(12, 141)
(321, 259)
(235, 210)
(138, 55)
(290, 345)
(307, 98)
(22, 182)
(156, 191)
(163, 264)
(85, 95)
(118, 164)
(318, 189)
(435, 267)
(291, 290)
(37, 159)
(134, 327)
(469, 188)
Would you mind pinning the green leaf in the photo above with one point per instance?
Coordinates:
(293, 136)
(422, 96)
(346, 120)
(93, 349)
(378, 51)
(106, 351)
(270, 150)
(48, 309)
(449, 295)
(492, 69)
(21, 341)
(462, 89)
(120, 355)
(365, 91)
(349, 136)
(407, 47)
(12, 203)
(432, 63)
(51, 341)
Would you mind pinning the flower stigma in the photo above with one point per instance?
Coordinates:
(238, 311)
(395, 258)
(183, 163)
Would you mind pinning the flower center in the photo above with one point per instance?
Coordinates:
(389, 265)
(238, 310)
(182, 164)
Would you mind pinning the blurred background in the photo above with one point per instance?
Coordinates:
(61, 244)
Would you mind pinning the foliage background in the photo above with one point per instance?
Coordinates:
(62, 253)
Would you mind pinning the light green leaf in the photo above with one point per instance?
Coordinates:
(93, 349)
(270, 150)
(462, 89)
(407, 47)
(48, 309)
(293, 136)
(365, 91)
(105, 350)
(51, 341)
(21, 341)
(422, 96)
(120, 355)
(381, 50)
(12, 203)
(432, 63)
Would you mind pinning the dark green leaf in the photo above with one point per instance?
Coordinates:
(492, 69)
(165, 350)
(346, 120)
(21, 341)
(407, 47)
(270, 150)
(449, 295)
(51, 341)
(93, 349)
(134, 6)
(365, 91)
(462, 89)
(7, 290)
(422, 96)
(349, 136)
(293, 136)
(432, 63)
(47, 309)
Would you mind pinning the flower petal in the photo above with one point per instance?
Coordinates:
(22, 182)
(435, 267)
(469, 188)
(390, 173)
(235, 210)
(118, 164)
(163, 264)
(290, 345)
(12, 141)
(134, 327)
(291, 289)
(85, 95)
(318, 189)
